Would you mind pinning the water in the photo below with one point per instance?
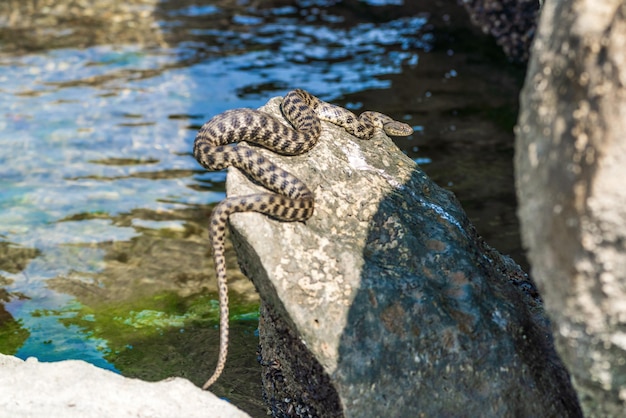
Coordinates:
(103, 248)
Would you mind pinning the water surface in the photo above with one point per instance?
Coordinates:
(103, 243)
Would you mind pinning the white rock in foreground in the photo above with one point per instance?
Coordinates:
(74, 388)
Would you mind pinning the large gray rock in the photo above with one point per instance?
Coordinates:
(386, 302)
(74, 388)
(570, 168)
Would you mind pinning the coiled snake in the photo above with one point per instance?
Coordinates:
(290, 200)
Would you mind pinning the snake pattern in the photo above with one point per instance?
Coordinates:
(288, 198)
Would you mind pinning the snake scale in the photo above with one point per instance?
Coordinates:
(288, 198)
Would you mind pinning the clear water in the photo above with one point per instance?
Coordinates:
(103, 249)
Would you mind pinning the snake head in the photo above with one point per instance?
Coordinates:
(395, 128)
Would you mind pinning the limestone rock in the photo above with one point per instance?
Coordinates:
(386, 302)
(74, 388)
(570, 170)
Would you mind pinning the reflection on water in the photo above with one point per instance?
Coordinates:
(103, 247)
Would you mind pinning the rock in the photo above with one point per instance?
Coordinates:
(570, 169)
(74, 388)
(386, 302)
(31, 25)
(511, 22)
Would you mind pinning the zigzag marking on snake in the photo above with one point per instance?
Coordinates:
(288, 199)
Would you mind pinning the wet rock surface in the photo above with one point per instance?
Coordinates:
(34, 25)
(386, 302)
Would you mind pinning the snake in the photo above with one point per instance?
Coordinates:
(287, 198)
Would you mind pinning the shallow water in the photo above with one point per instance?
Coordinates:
(103, 247)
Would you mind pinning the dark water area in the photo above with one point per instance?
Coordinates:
(103, 242)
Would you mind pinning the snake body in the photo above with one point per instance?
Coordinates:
(289, 199)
